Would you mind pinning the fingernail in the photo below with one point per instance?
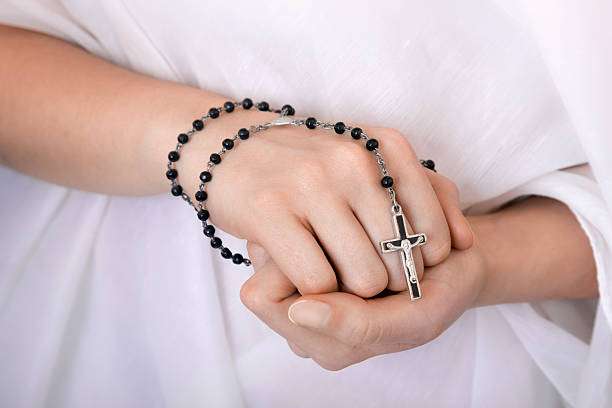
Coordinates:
(309, 313)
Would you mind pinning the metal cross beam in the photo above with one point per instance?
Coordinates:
(405, 243)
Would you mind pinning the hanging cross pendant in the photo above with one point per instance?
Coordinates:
(405, 243)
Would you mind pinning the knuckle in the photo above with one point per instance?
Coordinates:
(346, 149)
(317, 283)
(399, 141)
(437, 252)
(369, 285)
(446, 186)
(451, 188)
(399, 284)
(257, 254)
(252, 297)
(297, 350)
(393, 135)
(331, 365)
(350, 155)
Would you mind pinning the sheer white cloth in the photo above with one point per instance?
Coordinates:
(115, 301)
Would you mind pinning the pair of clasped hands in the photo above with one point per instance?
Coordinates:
(316, 215)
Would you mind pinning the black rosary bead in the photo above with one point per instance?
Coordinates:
(386, 181)
(216, 242)
(198, 125)
(429, 164)
(177, 190)
(237, 259)
(203, 215)
(226, 253)
(247, 103)
(183, 138)
(243, 134)
(288, 110)
(215, 158)
(172, 174)
(205, 176)
(372, 144)
(201, 195)
(213, 113)
(339, 128)
(174, 156)
(228, 144)
(209, 231)
(311, 123)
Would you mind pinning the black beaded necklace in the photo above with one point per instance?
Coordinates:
(404, 243)
(215, 158)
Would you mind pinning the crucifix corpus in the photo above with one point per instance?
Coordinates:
(404, 244)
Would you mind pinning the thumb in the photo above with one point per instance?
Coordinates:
(389, 320)
(342, 316)
(394, 320)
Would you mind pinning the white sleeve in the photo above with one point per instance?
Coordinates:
(578, 364)
(581, 193)
(106, 29)
(51, 17)
(575, 42)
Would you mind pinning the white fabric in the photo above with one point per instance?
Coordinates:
(114, 301)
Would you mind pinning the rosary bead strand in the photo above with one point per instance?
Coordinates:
(244, 134)
(215, 158)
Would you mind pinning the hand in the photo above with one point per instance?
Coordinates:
(313, 200)
(340, 329)
(299, 193)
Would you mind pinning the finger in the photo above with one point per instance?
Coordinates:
(393, 319)
(297, 350)
(266, 288)
(349, 248)
(257, 254)
(461, 233)
(372, 208)
(297, 254)
(269, 294)
(354, 322)
(417, 197)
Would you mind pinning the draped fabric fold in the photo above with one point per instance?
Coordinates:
(101, 307)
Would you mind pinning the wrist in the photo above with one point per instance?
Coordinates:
(176, 116)
(486, 251)
(196, 154)
(164, 122)
(534, 250)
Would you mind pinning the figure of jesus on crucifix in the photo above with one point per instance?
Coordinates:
(405, 243)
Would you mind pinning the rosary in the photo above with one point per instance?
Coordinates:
(402, 243)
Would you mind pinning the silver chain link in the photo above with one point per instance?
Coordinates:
(282, 120)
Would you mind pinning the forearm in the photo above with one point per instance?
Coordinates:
(534, 250)
(74, 119)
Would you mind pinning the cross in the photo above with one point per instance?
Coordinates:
(405, 243)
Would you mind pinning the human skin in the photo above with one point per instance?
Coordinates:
(74, 119)
(533, 250)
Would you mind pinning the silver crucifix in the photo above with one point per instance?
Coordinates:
(405, 243)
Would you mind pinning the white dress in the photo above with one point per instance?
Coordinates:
(119, 302)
